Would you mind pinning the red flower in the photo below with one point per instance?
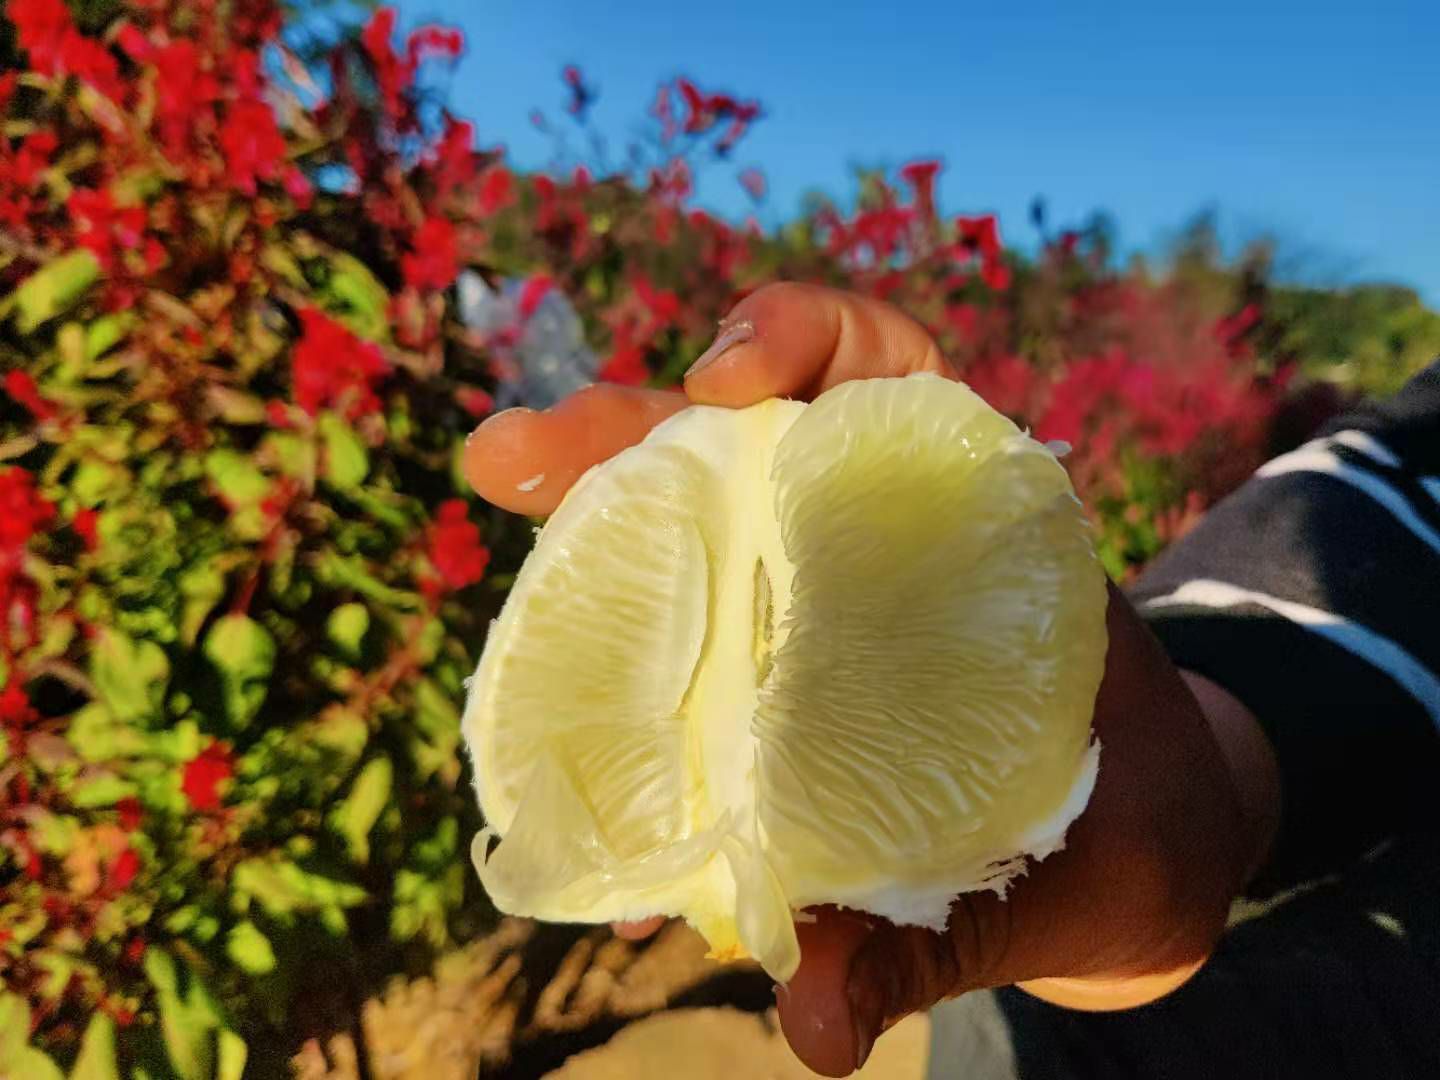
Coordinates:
(41, 26)
(130, 812)
(103, 227)
(1008, 383)
(753, 181)
(435, 260)
(392, 75)
(253, 146)
(920, 175)
(15, 708)
(663, 304)
(298, 187)
(56, 49)
(134, 44)
(703, 111)
(455, 547)
(135, 950)
(124, 869)
(23, 511)
(980, 234)
(278, 413)
(533, 293)
(674, 182)
(995, 274)
(184, 93)
(428, 41)
(20, 386)
(626, 365)
(664, 112)
(26, 168)
(84, 523)
(452, 162)
(332, 368)
(203, 774)
(881, 230)
(497, 189)
(475, 401)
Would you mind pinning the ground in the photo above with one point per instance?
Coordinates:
(577, 1003)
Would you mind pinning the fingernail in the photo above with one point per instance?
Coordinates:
(734, 334)
(493, 417)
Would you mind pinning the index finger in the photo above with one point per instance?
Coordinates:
(784, 340)
(524, 461)
(795, 340)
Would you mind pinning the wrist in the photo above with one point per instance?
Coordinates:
(1250, 760)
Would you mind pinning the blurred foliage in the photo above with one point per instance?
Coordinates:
(240, 581)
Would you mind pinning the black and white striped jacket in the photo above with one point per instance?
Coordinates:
(1313, 595)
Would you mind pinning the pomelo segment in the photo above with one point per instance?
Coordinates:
(788, 655)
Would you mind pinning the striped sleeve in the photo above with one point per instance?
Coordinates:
(1313, 595)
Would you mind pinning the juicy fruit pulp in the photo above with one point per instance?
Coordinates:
(844, 652)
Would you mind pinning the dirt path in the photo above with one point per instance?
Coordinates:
(577, 1003)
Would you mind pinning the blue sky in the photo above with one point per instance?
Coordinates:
(1317, 123)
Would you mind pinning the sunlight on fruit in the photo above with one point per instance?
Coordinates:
(789, 655)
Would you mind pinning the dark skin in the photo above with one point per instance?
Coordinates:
(1187, 797)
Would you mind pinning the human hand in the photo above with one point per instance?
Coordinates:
(1183, 806)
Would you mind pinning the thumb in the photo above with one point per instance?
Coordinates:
(859, 975)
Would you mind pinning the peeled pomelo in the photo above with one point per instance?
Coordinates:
(844, 652)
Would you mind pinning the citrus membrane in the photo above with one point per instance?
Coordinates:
(844, 652)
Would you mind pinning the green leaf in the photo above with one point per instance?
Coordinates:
(236, 476)
(244, 653)
(130, 675)
(95, 735)
(437, 733)
(346, 628)
(97, 1051)
(429, 641)
(59, 969)
(95, 482)
(243, 486)
(356, 815)
(14, 1025)
(250, 949)
(279, 261)
(105, 789)
(233, 1053)
(333, 569)
(292, 454)
(189, 1016)
(53, 289)
(346, 461)
(283, 889)
(105, 333)
(202, 586)
(340, 730)
(364, 303)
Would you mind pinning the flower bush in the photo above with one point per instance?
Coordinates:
(241, 583)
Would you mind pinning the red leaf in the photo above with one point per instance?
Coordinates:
(203, 774)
